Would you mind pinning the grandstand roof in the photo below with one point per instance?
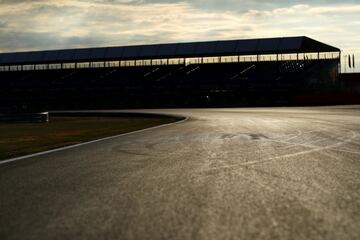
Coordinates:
(173, 50)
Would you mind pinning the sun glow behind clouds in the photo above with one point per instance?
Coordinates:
(52, 24)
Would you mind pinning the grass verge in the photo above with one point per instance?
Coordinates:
(20, 139)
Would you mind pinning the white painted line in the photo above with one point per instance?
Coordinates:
(90, 142)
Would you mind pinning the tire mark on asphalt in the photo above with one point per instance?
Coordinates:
(315, 149)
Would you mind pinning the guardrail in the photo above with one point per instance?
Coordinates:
(25, 118)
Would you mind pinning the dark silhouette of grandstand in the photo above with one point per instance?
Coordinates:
(218, 73)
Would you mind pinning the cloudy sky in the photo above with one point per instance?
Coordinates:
(56, 24)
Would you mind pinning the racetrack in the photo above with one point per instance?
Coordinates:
(266, 173)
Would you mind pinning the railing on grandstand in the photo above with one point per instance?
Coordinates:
(175, 61)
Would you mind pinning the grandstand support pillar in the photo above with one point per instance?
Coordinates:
(62, 66)
(277, 57)
(297, 56)
(318, 56)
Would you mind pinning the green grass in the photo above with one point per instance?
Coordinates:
(25, 138)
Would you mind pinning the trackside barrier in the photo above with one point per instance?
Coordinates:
(25, 118)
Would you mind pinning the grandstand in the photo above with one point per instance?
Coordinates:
(217, 73)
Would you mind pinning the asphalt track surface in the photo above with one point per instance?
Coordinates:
(267, 173)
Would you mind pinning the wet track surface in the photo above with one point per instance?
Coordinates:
(267, 173)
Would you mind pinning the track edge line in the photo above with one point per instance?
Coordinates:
(93, 141)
